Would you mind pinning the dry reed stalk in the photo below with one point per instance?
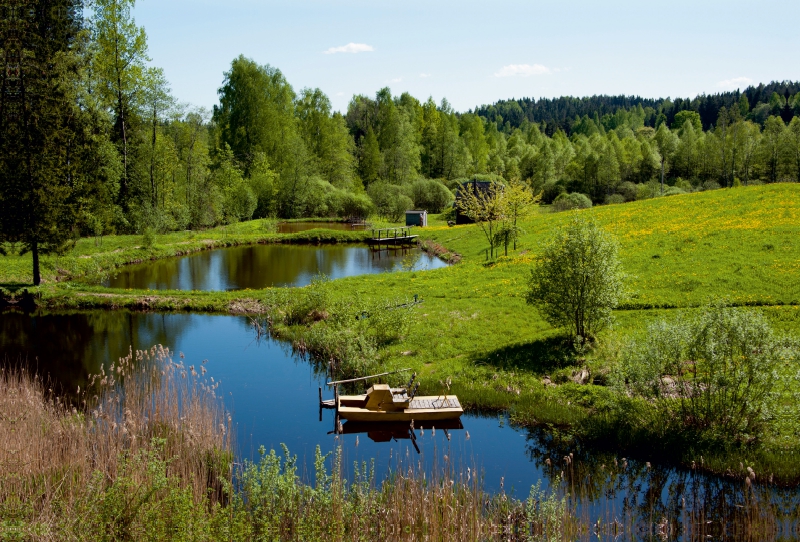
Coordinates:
(146, 403)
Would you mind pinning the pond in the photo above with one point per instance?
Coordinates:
(263, 266)
(296, 227)
(273, 395)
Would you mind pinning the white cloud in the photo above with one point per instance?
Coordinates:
(523, 70)
(736, 82)
(424, 75)
(350, 48)
(396, 80)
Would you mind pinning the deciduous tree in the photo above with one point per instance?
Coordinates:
(578, 278)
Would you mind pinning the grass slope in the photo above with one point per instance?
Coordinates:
(475, 327)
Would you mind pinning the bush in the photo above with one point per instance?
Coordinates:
(551, 191)
(645, 191)
(715, 370)
(578, 279)
(673, 191)
(398, 207)
(430, 195)
(685, 185)
(615, 198)
(149, 237)
(390, 200)
(358, 205)
(628, 190)
(711, 185)
(568, 202)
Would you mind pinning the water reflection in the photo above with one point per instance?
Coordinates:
(263, 266)
(273, 396)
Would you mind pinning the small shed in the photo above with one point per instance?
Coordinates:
(417, 218)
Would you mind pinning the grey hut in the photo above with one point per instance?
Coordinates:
(417, 218)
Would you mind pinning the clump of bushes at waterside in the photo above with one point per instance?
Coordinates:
(717, 370)
(345, 336)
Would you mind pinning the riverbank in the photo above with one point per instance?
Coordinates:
(473, 325)
(157, 465)
(93, 259)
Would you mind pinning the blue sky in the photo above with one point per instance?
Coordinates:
(474, 53)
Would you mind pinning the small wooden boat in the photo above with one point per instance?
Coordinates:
(384, 404)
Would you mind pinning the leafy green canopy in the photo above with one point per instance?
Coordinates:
(578, 279)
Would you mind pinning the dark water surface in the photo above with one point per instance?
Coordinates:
(263, 266)
(273, 396)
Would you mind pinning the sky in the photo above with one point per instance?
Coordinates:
(476, 53)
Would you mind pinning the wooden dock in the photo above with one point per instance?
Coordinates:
(392, 237)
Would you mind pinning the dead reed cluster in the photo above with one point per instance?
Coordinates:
(149, 431)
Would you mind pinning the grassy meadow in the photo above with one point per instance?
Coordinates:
(474, 326)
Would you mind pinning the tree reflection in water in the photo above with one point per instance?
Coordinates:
(264, 266)
(650, 502)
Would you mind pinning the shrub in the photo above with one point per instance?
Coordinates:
(615, 198)
(578, 279)
(684, 184)
(358, 205)
(390, 200)
(673, 191)
(628, 190)
(148, 237)
(398, 207)
(716, 370)
(568, 202)
(645, 191)
(430, 195)
(711, 185)
(551, 191)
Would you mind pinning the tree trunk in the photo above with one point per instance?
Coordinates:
(37, 278)
(153, 160)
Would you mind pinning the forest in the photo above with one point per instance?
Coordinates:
(128, 157)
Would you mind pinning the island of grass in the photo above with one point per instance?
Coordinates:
(474, 325)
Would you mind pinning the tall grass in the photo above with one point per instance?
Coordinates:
(150, 435)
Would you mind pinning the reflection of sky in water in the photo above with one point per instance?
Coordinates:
(262, 266)
(273, 397)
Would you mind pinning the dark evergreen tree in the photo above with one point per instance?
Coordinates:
(40, 127)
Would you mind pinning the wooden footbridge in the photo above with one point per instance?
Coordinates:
(392, 237)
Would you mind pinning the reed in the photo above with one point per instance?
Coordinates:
(149, 431)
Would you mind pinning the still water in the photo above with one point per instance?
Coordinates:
(273, 396)
(263, 266)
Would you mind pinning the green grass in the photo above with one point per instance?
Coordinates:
(474, 325)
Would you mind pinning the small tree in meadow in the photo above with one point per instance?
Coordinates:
(487, 207)
(578, 279)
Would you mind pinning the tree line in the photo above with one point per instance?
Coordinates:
(93, 142)
(776, 98)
